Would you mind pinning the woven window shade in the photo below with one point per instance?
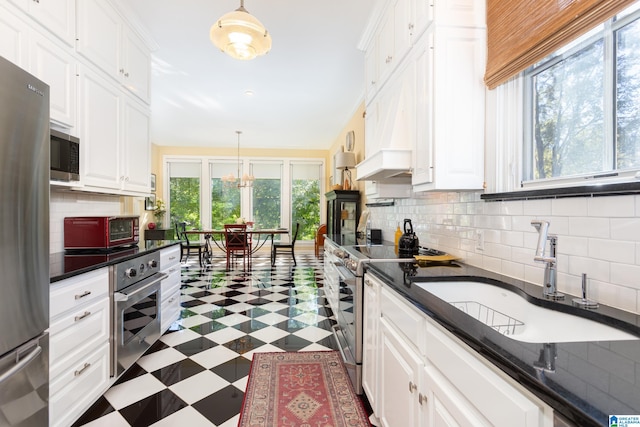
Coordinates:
(522, 32)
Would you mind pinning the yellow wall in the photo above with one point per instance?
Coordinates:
(356, 123)
(158, 151)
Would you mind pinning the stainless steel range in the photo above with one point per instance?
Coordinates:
(135, 286)
(344, 290)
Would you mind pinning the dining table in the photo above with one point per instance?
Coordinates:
(259, 236)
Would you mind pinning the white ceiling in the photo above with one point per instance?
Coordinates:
(305, 90)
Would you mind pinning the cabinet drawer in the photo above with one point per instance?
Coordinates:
(169, 257)
(74, 292)
(170, 310)
(405, 319)
(73, 390)
(479, 384)
(172, 283)
(78, 332)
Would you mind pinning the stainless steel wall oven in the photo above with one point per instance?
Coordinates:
(136, 308)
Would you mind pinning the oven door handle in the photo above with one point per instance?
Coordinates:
(335, 329)
(138, 288)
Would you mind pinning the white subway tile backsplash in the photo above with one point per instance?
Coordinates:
(598, 236)
(589, 227)
(570, 206)
(626, 275)
(625, 229)
(612, 250)
(596, 269)
(613, 206)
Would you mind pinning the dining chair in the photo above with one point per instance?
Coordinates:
(237, 244)
(187, 245)
(285, 247)
(319, 242)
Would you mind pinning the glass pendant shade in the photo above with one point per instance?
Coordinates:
(240, 35)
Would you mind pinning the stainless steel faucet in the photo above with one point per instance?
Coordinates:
(549, 289)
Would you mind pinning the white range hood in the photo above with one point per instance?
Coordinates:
(386, 165)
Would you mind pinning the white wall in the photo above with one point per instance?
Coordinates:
(599, 236)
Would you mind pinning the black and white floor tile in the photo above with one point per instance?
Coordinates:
(196, 374)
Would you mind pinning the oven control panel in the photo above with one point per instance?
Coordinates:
(134, 270)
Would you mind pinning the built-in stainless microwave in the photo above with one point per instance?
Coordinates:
(65, 157)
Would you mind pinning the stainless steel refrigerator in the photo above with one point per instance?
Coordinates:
(24, 248)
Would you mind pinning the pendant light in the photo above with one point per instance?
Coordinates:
(240, 35)
(231, 181)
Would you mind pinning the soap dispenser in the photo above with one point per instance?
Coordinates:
(398, 235)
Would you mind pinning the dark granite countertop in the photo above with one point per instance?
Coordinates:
(591, 381)
(63, 265)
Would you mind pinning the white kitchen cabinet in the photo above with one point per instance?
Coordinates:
(400, 372)
(393, 39)
(136, 146)
(425, 98)
(330, 276)
(419, 374)
(100, 108)
(114, 130)
(46, 58)
(106, 39)
(80, 319)
(421, 17)
(170, 287)
(56, 66)
(14, 38)
(371, 339)
(449, 136)
(57, 16)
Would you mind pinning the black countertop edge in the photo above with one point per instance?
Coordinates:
(593, 190)
(513, 357)
(57, 271)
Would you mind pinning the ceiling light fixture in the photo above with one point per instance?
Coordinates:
(240, 35)
(231, 181)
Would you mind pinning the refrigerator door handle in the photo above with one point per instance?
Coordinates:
(20, 363)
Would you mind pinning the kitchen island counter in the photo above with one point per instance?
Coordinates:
(591, 380)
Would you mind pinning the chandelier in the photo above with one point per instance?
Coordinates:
(240, 35)
(231, 181)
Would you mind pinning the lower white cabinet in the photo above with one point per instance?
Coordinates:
(416, 373)
(79, 344)
(370, 336)
(170, 287)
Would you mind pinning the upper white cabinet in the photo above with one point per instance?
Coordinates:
(105, 39)
(449, 143)
(115, 135)
(426, 100)
(33, 49)
(57, 16)
(56, 66)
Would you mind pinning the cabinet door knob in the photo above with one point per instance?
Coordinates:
(412, 387)
(422, 398)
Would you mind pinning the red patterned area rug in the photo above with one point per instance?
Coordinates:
(305, 389)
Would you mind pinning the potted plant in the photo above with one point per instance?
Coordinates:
(158, 212)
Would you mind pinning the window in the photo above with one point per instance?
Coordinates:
(582, 106)
(184, 193)
(305, 198)
(225, 200)
(285, 191)
(267, 190)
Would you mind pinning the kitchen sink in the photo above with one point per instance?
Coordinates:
(512, 315)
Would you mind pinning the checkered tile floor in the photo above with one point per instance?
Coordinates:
(196, 374)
